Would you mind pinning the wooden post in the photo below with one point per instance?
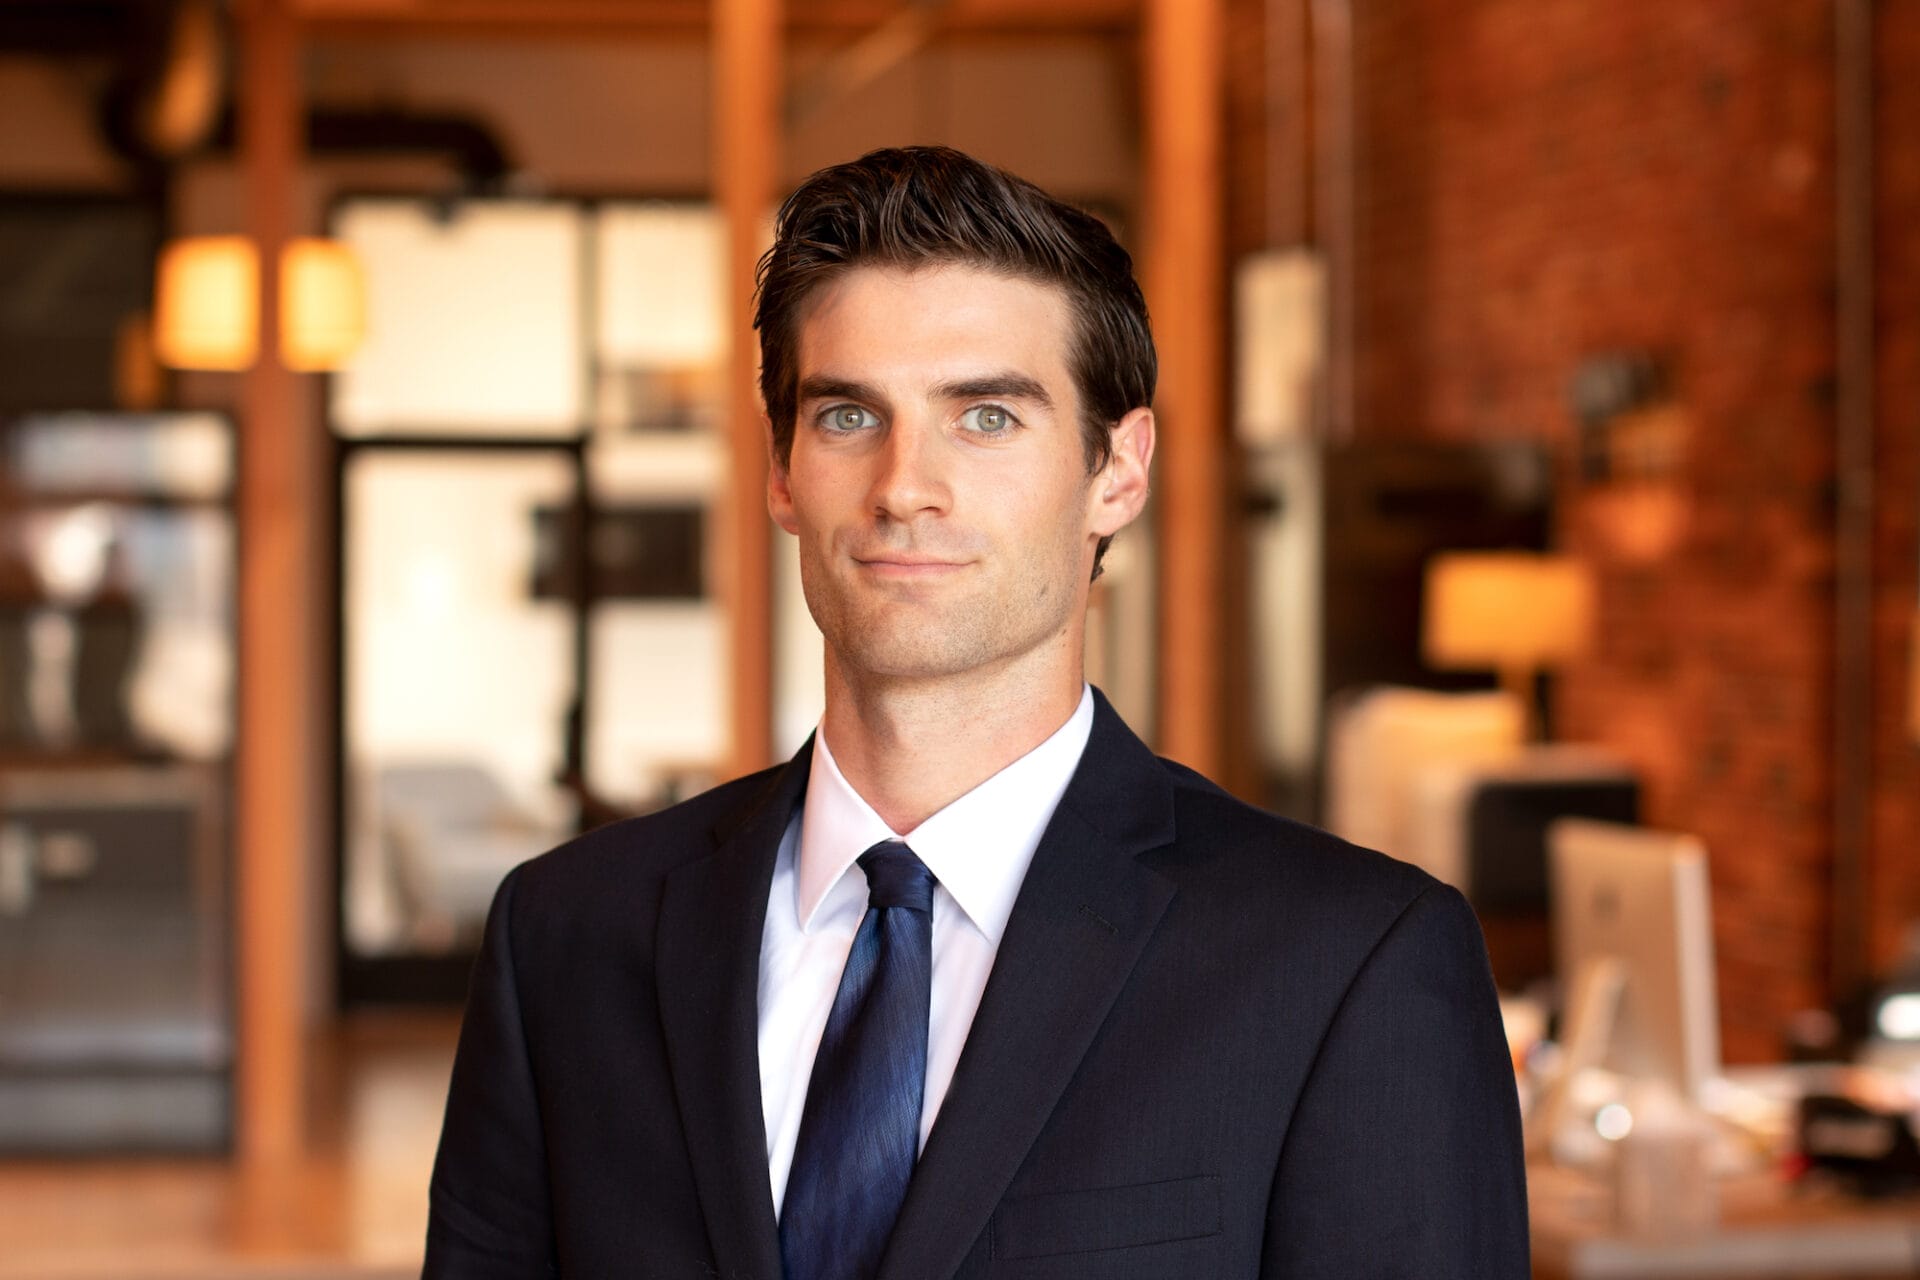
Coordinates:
(1334, 77)
(1185, 291)
(1854, 641)
(746, 135)
(278, 626)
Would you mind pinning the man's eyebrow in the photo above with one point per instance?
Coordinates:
(817, 387)
(1002, 386)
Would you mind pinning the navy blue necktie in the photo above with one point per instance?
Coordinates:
(860, 1129)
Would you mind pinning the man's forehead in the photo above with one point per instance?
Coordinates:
(938, 274)
(949, 314)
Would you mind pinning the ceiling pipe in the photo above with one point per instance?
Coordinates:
(171, 96)
(476, 150)
(67, 28)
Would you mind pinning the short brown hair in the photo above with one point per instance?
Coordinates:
(921, 206)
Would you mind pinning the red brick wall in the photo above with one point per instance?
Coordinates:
(1895, 876)
(1540, 181)
(1269, 123)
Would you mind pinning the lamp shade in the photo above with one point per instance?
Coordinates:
(1506, 610)
(207, 308)
(323, 304)
(207, 303)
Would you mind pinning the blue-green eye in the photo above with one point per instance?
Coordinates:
(989, 419)
(849, 417)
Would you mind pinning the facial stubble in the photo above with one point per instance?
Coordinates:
(918, 632)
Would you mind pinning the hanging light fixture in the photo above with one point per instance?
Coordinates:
(323, 304)
(206, 311)
(207, 304)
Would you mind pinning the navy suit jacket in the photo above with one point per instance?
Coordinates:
(1213, 1043)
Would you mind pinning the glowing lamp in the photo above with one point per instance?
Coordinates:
(1898, 1017)
(323, 304)
(207, 307)
(1511, 612)
(207, 303)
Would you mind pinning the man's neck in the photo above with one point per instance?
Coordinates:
(911, 748)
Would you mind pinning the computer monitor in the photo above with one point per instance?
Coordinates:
(1634, 948)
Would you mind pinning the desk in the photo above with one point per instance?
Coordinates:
(1767, 1230)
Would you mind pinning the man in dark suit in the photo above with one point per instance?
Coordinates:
(975, 985)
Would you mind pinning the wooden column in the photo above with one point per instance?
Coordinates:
(1185, 278)
(1335, 177)
(746, 150)
(278, 626)
(1854, 709)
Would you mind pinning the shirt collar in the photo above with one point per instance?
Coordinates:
(978, 847)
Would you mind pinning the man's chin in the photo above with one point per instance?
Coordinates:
(877, 659)
(914, 640)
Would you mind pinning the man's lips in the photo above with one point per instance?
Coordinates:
(907, 566)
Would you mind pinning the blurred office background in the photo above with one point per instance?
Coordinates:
(380, 504)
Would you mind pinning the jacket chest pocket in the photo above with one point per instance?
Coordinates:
(1079, 1222)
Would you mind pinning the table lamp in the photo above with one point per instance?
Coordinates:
(1517, 613)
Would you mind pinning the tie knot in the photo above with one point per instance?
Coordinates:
(896, 878)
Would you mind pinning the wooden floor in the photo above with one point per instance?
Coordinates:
(356, 1206)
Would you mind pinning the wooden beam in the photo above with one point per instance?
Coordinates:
(1185, 271)
(278, 626)
(601, 18)
(746, 136)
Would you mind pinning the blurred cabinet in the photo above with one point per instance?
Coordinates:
(115, 1025)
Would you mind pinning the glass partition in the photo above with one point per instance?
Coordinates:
(116, 724)
(532, 443)
(474, 319)
(459, 676)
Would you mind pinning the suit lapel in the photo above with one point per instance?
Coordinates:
(1085, 912)
(707, 962)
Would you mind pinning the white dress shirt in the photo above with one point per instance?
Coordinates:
(978, 848)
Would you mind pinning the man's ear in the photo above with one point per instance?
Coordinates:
(1119, 490)
(779, 490)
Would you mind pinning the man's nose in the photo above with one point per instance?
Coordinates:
(910, 472)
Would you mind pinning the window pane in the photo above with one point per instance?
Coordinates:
(658, 724)
(662, 317)
(473, 319)
(459, 680)
(657, 720)
(116, 718)
(799, 691)
(116, 585)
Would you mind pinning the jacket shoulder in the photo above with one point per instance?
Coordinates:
(643, 848)
(1228, 846)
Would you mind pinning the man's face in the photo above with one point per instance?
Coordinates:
(937, 482)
